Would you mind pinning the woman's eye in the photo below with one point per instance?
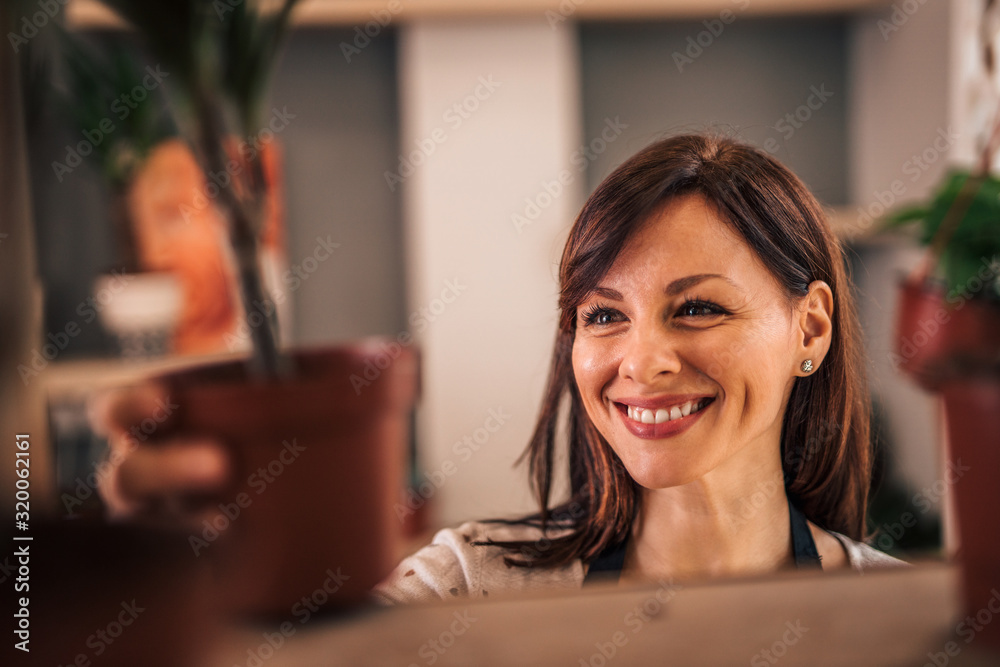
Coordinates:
(600, 316)
(700, 308)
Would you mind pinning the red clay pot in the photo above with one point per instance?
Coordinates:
(920, 343)
(937, 339)
(972, 404)
(954, 349)
(308, 521)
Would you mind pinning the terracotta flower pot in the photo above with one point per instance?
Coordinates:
(954, 349)
(972, 404)
(308, 521)
(937, 338)
(920, 343)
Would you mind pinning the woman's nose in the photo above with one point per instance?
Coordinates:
(650, 351)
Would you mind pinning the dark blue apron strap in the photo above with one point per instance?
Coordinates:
(608, 564)
(803, 545)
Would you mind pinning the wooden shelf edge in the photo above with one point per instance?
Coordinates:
(92, 14)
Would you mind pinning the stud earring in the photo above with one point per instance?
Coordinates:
(807, 366)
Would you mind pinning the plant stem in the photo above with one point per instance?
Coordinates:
(244, 226)
(266, 359)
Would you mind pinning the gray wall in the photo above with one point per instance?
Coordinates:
(344, 138)
(73, 231)
(744, 82)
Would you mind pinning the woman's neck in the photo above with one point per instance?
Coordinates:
(728, 523)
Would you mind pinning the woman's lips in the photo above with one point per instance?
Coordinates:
(666, 429)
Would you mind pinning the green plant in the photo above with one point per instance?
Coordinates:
(94, 82)
(961, 227)
(220, 56)
(93, 85)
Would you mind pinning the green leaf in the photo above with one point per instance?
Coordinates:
(96, 80)
(904, 216)
(250, 44)
(172, 32)
(974, 243)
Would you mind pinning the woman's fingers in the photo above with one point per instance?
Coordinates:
(174, 468)
(154, 472)
(152, 479)
(142, 411)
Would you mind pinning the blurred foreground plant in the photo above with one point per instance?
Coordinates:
(220, 57)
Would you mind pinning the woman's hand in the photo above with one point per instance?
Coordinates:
(151, 472)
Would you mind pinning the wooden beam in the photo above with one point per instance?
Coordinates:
(93, 14)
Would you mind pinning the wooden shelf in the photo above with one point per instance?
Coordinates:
(81, 377)
(93, 14)
(885, 617)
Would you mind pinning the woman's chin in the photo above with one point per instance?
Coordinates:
(653, 475)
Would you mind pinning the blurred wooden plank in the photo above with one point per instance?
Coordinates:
(21, 405)
(92, 14)
(81, 377)
(892, 617)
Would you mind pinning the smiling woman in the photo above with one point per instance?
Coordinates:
(710, 361)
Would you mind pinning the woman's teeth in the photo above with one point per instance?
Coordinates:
(663, 415)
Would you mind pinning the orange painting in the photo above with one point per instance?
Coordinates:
(179, 229)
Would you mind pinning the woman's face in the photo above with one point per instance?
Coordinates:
(686, 351)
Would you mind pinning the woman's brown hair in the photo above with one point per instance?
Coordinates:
(825, 447)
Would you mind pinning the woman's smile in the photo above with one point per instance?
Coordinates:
(661, 418)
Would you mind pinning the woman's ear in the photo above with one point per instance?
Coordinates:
(815, 316)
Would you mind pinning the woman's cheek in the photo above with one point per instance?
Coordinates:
(580, 369)
(588, 360)
(593, 368)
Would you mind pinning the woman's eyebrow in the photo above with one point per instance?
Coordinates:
(673, 288)
(607, 293)
(688, 282)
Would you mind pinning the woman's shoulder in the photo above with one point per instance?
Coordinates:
(863, 557)
(462, 562)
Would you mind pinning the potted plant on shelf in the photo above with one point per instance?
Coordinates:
(319, 459)
(948, 341)
(951, 304)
